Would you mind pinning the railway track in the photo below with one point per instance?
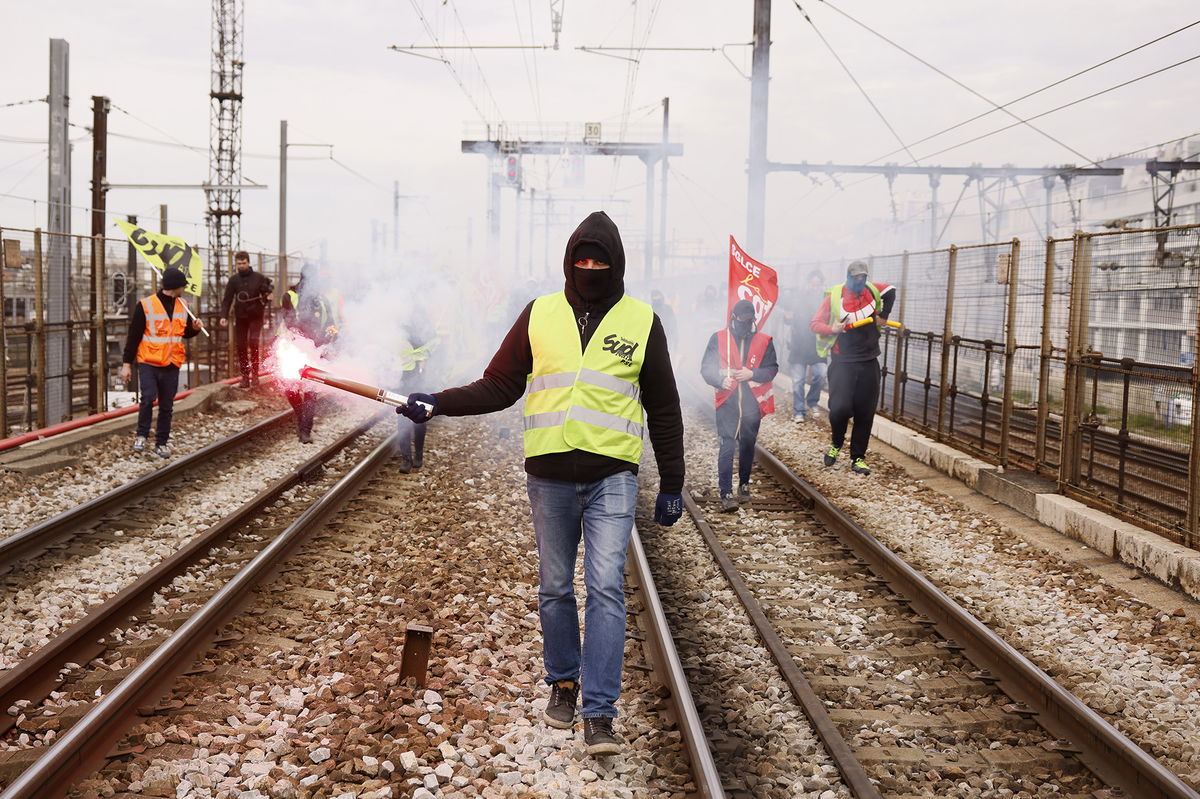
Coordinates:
(347, 526)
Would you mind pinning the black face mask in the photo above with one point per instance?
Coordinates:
(856, 283)
(741, 328)
(592, 284)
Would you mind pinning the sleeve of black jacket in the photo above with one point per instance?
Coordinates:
(137, 327)
(227, 301)
(710, 364)
(503, 383)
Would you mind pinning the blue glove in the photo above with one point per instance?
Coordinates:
(417, 412)
(668, 508)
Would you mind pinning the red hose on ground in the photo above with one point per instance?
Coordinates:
(84, 421)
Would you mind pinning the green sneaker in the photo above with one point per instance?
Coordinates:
(831, 455)
(860, 466)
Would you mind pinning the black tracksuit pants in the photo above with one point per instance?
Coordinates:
(853, 394)
(247, 332)
(735, 431)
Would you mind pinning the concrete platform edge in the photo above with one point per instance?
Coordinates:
(57, 451)
(1149, 553)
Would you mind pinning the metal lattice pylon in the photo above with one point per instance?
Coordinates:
(225, 144)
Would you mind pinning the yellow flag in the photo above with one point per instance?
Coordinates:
(166, 252)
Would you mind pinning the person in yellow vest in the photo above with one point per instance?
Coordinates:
(739, 363)
(157, 328)
(847, 325)
(592, 363)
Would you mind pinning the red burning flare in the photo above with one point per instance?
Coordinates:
(289, 359)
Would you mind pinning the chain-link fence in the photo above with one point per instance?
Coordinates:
(67, 301)
(1073, 358)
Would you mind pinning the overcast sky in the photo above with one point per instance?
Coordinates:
(326, 68)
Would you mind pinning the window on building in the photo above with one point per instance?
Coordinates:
(1163, 346)
(1133, 308)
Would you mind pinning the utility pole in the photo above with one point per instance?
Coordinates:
(756, 167)
(57, 396)
(648, 249)
(395, 217)
(662, 225)
(283, 145)
(100, 107)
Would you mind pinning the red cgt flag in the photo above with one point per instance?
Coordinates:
(750, 280)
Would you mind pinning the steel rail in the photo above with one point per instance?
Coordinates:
(37, 675)
(83, 747)
(1104, 749)
(33, 540)
(853, 774)
(674, 678)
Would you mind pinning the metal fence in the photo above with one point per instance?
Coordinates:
(1072, 358)
(66, 301)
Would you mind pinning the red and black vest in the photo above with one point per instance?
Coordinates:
(731, 361)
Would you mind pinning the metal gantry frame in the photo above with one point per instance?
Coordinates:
(225, 122)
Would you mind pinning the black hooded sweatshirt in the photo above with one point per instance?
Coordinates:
(504, 380)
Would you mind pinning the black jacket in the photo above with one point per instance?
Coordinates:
(247, 293)
(137, 327)
(504, 380)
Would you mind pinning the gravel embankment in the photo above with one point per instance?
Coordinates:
(43, 596)
(1135, 664)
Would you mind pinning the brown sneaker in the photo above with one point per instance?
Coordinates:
(560, 712)
(599, 737)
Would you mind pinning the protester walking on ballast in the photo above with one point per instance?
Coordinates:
(593, 364)
(247, 294)
(854, 368)
(808, 369)
(306, 312)
(157, 328)
(740, 364)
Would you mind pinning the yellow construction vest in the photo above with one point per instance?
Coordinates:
(586, 400)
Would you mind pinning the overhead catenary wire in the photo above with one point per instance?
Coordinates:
(959, 83)
(1040, 90)
(854, 80)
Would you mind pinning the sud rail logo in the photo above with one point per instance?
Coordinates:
(621, 347)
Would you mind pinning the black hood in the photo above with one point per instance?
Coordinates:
(597, 229)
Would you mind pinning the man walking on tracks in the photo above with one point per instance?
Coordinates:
(848, 324)
(248, 293)
(157, 328)
(740, 364)
(593, 364)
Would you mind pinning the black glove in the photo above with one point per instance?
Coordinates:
(668, 508)
(417, 412)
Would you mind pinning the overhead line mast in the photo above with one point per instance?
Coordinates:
(225, 144)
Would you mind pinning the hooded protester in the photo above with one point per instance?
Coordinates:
(740, 364)
(593, 364)
(306, 312)
(854, 367)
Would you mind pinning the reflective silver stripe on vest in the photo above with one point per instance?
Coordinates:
(547, 419)
(606, 420)
(611, 383)
(153, 316)
(558, 380)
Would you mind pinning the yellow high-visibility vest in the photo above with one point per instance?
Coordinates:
(587, 400)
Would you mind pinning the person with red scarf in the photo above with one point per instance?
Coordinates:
(848, 324)
(740, 364)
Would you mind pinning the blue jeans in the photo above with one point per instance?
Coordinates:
(816, 375)
(157, 383)
(602, 513)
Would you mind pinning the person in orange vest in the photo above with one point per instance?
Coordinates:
(157, 328)
(740, 364)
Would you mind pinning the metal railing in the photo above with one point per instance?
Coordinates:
(66, 302)
(1073, 358)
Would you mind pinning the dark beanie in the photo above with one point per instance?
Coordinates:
(173, 279)
(590, 249)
